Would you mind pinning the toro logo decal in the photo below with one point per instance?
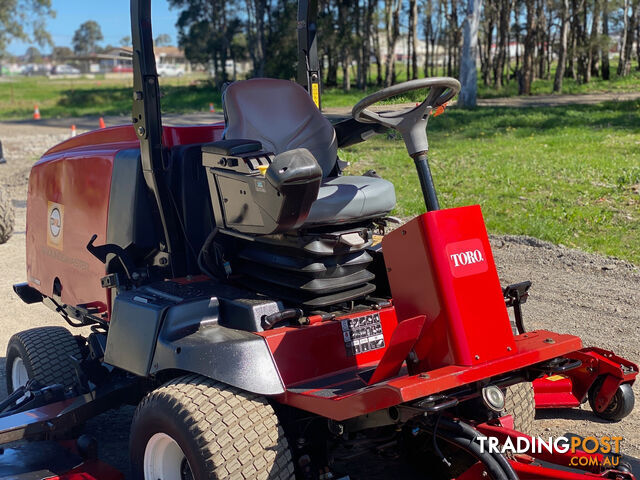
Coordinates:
(467, 258)
(55, 216)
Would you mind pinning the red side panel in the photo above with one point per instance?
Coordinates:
(308, 353)
(68, 202)
(440, 265)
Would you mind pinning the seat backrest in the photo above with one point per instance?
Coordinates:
(281, 115)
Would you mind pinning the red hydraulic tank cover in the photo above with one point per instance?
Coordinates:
(441, 265)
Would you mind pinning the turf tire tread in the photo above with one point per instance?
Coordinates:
(237, 433)
(520, 404)
(7, 216)
(47, 354)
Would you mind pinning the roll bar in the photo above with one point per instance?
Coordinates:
(147, 122)
(308, 63)
(147, 119)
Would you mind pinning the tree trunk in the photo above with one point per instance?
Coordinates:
(529, 49)
(345, 43)
(638, 46)
(585, 50)
(468, 70)
(456, 37)
(414, 40)
(346, 73)
(503, 42)
(366, 47)
(623, 38)
(595, 43)
(408, 59)
(484, 50)
(378, 54)
(428, 34)
(625, 61)
(517, 35)
(392, 16)
(562, 53)
(606, 69)
(541, 37)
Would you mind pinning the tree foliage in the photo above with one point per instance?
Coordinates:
(61, 54)
(162, 40)
(367, 42)
(24, 20)
(86, 38)
(33, 55)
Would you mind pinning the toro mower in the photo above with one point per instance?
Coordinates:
(243, 294)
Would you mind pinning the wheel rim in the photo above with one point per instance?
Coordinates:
(19, 375)
(165, 460)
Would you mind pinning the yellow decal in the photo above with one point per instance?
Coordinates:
(555, 378)
(376, 239)
(55, 224)
(315, 94)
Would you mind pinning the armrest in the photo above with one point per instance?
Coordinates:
(232, 147)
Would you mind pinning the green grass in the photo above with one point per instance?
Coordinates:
(630, 83)
(82, 96)
(78, 97)
(569, 175)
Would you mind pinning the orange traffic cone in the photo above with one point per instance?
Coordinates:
(36, 113)
(212, 108)
(102, 125)
(73, 131)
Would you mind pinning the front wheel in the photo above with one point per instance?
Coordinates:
(196, 428)
(621, 404)
(520, 404)
(44, 354)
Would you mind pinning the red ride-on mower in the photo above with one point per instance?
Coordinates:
(237, 294)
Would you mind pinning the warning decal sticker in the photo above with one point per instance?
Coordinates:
(362, 334)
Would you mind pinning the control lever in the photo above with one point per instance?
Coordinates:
(102, 251)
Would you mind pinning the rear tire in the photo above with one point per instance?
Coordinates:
(195, 427)
(520, 404)
(7, 217)
(42, 354)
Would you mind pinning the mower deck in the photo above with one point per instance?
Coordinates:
(53, 461)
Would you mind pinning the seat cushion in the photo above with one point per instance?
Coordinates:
(351, 198)
(282, 116)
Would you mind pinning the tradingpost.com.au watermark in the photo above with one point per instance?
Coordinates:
(536, 445)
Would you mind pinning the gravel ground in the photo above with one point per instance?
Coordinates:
(573, 292)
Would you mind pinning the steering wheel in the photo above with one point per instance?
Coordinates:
(410, 122)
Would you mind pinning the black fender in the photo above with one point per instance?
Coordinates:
(237, 358)
(152, 331)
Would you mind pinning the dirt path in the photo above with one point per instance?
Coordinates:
(594, 297)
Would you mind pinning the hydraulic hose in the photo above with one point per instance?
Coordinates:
(468, 431)
(494, 469)
(463, 436)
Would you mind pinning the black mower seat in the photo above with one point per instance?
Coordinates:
(351, 198)
(282, 116)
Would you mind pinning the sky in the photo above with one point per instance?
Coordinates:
(112, 15)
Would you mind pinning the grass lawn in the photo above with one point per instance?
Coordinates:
(99, 97)
(569, 175)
